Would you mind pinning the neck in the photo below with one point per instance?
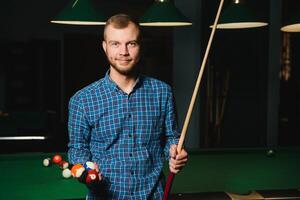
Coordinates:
(124, 82)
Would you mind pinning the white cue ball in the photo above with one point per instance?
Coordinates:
(66, 173)
(46, 162)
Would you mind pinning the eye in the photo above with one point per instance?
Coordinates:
(114, 44)
(132, 44)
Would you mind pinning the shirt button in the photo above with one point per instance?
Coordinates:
(131, 172)
(131, 193)
(129, 115)
(130, 135)
(130, 154)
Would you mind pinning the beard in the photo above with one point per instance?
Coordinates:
(130, 70)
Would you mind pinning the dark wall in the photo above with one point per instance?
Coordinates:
(235, 93)
(44, 64)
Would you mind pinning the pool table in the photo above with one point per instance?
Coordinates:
(236, 171)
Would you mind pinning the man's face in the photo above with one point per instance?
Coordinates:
(122, 48)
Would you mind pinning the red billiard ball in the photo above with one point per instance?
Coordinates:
(92, 177)
(63, 164)
(57, 159)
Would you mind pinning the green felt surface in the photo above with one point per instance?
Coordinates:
(24, 177)
(240, 171)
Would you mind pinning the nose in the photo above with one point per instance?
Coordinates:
(124, 50)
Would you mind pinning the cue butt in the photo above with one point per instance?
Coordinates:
(168, 185)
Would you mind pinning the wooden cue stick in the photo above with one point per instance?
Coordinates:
(193, 99)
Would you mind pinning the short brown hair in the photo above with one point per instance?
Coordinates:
(121, 21)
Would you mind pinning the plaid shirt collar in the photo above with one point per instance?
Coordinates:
(114, 87)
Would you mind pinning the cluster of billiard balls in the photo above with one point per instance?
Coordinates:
(87, 173)
(64, 165)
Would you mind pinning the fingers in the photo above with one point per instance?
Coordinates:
(175, 168)
(182, 155)
(177, 164)
(177, 161)
(98, 170)
(175, 171)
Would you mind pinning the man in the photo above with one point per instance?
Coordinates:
(125, 122)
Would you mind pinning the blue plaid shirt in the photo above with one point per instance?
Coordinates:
(128, 135)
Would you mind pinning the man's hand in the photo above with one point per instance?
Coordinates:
(177, 160)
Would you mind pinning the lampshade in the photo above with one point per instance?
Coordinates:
(79, 12)
(237, 16)
(163, 13)
(293, 25)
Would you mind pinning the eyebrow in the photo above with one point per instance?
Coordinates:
(113, 41)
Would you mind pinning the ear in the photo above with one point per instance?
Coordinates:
(104, 46)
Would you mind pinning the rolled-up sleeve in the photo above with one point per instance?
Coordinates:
(79, 132)
(171, 128)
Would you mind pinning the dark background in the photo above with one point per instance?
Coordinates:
(42, 65)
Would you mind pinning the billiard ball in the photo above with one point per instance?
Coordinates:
(57, 159)
(92, 177)
(270, 152)
(66, 173)
(77, 170)
(63, 164)
(89, 165)
(47, 162)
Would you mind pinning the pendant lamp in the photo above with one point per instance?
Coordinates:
(237, 16)
(163, 13)
(80, 12)
(293, 25)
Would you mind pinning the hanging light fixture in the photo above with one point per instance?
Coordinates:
(293, 25)
(164, 13)
(80, 12)
(237, 16)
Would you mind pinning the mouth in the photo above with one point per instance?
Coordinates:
(124, 61)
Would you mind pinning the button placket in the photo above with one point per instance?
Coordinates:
(130, 122)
